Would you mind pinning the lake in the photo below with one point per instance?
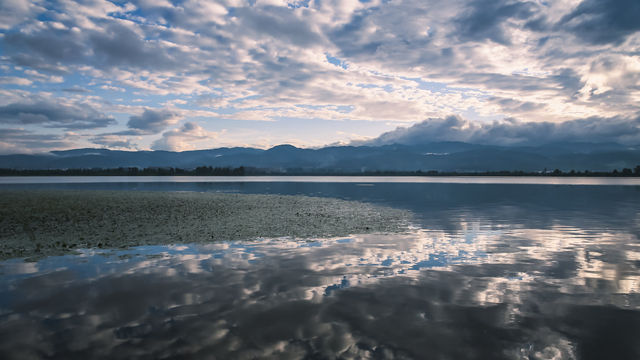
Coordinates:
(495, 268)
(534, 180)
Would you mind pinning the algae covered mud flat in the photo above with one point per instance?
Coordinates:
(45, 222)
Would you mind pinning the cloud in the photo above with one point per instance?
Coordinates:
(513, 132)
(516, 107)
(36, 76)
(22, 141)
(568, 80)
(152, 121)
(54, 113)
(76, 89)
(117, 46)
(113, 141)
(277, 23)
(13, 12)
(487, 19)
(48, 49)
(186, 137)
(273, 60)
(113, 45)
(13, 80)
(603, 21)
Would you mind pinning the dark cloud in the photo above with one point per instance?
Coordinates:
(508, 82)
(21, 141)
(113, 141)
(515, 106)
(566, 80)
(76, 89)
(511, 132)
(52, 114)
(151, 121)
(118, 46)
(277, 23)
(539, 23)
(25, 135)
(484, 19)
(352, 40)
(276, 73)
(113, 46)
(603, 21)
(48, 49)
(570, 81)
(400, 35)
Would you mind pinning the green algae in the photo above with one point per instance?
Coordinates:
(42, 223)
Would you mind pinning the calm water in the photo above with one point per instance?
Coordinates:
(489, 271)
(546, 180)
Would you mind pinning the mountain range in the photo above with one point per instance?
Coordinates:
(440, 156)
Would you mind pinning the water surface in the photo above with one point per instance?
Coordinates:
(486, 272)
(540, 180)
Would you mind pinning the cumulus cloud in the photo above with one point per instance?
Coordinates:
(119, 46)
(52, 113)
(14, 80)
(36, 76)
(13, 12)
(277, 22)
(152, 121)
(47, 50)
(187, 137)
(513, 132)
(112, 45)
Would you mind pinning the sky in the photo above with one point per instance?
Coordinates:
(198, 74)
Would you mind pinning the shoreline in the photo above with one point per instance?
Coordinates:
(16, 181)
(38, 223)
(515, 174)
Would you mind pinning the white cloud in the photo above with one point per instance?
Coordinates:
(37, 76)
(189, 136)
(13, 80)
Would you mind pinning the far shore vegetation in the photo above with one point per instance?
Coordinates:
(250, 171)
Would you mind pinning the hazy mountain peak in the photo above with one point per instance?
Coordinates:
(425, 156)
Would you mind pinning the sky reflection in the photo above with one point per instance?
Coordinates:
(479, 293)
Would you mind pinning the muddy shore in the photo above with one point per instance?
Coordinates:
(42, 223)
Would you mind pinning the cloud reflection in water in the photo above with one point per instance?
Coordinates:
(481, 292)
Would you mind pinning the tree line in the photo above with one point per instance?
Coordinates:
(250, 171)
(129, 171)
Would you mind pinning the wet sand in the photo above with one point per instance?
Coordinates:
(34, 224)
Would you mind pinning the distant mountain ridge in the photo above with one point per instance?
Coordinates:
(440, 156)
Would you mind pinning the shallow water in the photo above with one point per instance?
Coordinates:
(487, 272)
